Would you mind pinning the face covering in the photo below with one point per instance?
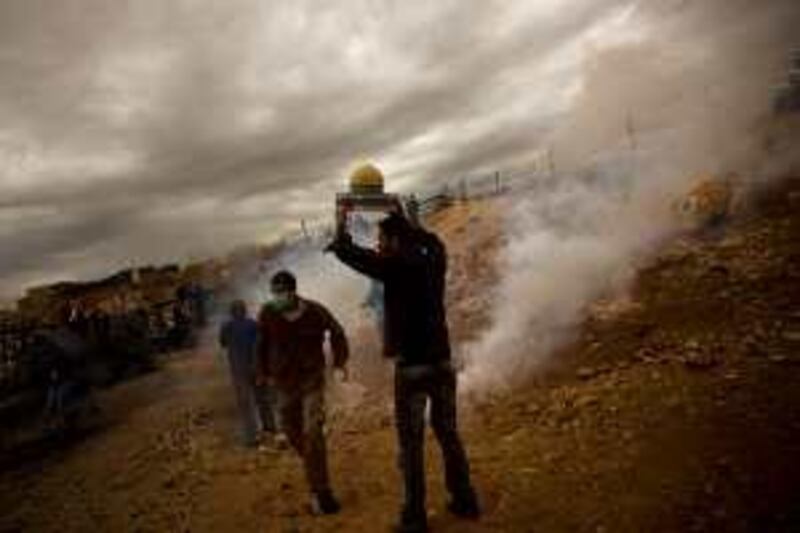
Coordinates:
(282, 302)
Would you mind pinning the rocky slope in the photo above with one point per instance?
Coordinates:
(675, 409)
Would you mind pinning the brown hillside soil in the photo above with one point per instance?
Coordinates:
(677, 411)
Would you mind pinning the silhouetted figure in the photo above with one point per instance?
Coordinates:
(292, 334)
(239, 336)
(411, 263)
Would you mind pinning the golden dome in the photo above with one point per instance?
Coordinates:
(366, 179)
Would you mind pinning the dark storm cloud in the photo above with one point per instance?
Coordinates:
(146, 131)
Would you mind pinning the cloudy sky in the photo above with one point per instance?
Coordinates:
(136, 131)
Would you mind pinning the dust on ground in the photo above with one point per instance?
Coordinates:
(675, 409)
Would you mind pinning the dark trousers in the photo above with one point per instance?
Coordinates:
(302, 418)
(248, 409)
(414, 387)
(266, 399)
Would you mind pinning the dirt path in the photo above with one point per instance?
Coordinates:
(676, 412)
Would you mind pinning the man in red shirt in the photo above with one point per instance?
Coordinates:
(291, 359)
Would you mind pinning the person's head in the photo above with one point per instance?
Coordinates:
(393, 232)
(65, 315)
(283, 286)
(238, 309)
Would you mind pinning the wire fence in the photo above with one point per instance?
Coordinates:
(171, 324)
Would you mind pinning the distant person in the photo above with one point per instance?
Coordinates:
(291, 356)
(64, 355)
(78, 320)
(374, 301)
(198, 301)
(239, 337)
(137, 340)
(412, 210)
(65, 390)
(411, 263)
(181, 330)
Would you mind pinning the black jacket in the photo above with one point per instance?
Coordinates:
(415, 325)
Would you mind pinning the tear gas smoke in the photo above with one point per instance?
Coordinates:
(685, 89)
(322, 278)
(691, 94)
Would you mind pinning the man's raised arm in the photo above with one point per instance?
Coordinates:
(364, 260)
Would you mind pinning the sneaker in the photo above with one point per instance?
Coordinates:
(420, 527)
(280, 442)
(465, 507)
(411, 523)
(323, 502)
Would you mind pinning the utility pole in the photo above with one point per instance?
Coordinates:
(630, 128)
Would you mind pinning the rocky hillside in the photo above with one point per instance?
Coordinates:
(675, 409)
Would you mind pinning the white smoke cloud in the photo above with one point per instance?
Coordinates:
(689, 94)
(654, 105)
